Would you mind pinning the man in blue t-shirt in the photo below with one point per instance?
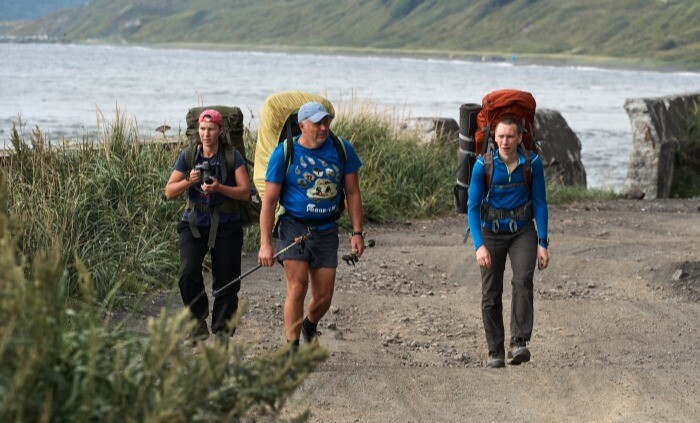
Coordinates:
(311, 191)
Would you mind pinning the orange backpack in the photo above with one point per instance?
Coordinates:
(500, 104)
(496, 106)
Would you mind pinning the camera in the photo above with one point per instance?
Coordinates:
(207, 171)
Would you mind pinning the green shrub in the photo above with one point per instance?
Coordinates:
(686, 176)
(562, 194)
(62, 360)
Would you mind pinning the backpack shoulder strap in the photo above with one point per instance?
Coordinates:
(527, 167)
(229, 159)
(288, 150)
(289, 143)
(486, 146)
(488, 167)
(192, 153)
(343, 155)
(340, 147)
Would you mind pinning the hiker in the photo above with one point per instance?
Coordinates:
(501, 224)
(311, 187)
(206, 226)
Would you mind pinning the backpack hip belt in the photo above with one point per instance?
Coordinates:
(227, 207)
(311, 223)
(492, 215)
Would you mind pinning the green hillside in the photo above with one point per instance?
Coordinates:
(642, 32)
(14, 10)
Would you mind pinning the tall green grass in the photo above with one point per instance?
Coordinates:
(400, 178)
(63, 360)
(562, 194)
(99, 200)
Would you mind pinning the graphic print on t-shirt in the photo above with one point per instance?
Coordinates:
(318, 178)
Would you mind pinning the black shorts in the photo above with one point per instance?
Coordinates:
(320, 250)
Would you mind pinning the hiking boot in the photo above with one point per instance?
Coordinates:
(293, 347)
(496, 359)
(309, 331)
(222, 338)
(199, 333)
(518, 352)
(309, 335)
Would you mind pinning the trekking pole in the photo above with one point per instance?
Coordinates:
(352, 258)
(297, 241)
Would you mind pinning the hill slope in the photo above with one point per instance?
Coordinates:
(649, 31)
(13, 10)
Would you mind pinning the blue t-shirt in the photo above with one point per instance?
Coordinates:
(203, 218)
(508, 191)
(310, 187)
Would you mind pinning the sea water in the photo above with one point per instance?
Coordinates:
(67, 90)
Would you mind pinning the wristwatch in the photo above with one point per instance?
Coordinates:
(360, 233)
(543, 242)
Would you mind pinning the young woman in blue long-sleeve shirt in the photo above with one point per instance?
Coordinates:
(508, 219)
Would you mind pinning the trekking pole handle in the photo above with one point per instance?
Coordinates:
(352, 258)
(298, 240)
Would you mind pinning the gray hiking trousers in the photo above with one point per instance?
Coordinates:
(521, 248)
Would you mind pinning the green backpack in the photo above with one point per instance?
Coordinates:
(232, 131)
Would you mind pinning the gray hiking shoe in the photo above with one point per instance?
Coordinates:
(518, 352)
(496, 359)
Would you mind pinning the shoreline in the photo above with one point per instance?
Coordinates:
(516, 59)
(558, 60)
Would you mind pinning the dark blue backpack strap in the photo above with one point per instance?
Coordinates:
(527, 167)
(488, 167)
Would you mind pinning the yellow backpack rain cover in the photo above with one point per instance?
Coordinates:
(273, 116)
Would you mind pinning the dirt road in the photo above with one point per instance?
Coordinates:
(616, 326)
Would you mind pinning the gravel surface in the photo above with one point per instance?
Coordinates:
(615, 338)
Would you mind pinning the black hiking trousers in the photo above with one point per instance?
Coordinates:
(521, 248)
(226, 266)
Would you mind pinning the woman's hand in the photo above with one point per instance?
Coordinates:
(542, 257)
(195, 177)
(212, 187)
(483, 257)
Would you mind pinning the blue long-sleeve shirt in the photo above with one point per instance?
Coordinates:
(508, 191)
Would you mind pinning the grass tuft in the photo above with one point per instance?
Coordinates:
(562, 194)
